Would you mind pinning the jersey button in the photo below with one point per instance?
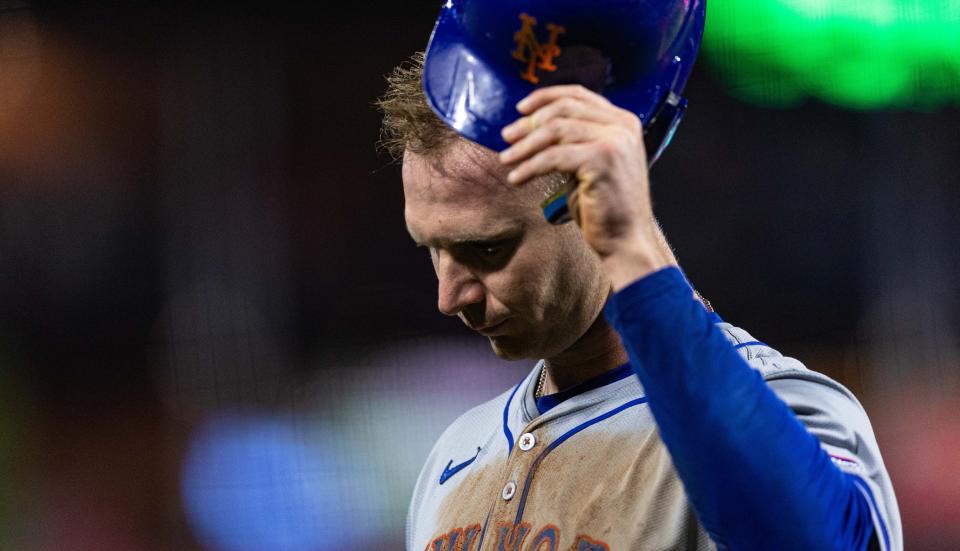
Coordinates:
(528, 441)
(509, 490)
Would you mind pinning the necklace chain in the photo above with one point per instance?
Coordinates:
(543, 377)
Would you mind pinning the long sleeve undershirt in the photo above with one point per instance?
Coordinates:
(754, 475)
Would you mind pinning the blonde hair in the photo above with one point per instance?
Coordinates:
(409, 124)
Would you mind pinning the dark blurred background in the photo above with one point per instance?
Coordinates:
(215, 333)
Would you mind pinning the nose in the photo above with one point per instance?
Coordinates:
(457, 287)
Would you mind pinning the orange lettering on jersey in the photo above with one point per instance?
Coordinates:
(547, 539)
(510, 536)
(446, 542)
(470, 534)
(458, 539)
(532, 52)
(586, 543)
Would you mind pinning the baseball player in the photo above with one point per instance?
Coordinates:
(649, 422)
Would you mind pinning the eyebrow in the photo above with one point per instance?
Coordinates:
(493, 235)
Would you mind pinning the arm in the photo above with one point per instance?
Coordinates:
(755, 476)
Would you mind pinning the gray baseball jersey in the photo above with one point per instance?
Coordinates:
(592, 474)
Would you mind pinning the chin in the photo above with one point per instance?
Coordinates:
(510, 349)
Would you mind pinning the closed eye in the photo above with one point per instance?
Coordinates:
(488, 255)
(488, 248)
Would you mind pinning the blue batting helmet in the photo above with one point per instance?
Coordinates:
(486, 55)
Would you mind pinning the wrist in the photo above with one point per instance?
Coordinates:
(630, 263)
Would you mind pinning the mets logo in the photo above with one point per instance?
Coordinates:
(531, 51)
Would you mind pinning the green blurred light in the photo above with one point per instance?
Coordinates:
(863, 54)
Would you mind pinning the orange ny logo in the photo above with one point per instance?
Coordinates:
(531, 51)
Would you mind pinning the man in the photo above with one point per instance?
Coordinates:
(718, 441)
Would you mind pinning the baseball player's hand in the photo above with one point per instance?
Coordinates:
(571, 129)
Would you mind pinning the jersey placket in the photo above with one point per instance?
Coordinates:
(505, 529)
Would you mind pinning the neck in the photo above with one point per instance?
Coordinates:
(599, 350)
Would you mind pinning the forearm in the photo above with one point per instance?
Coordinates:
(640, 252)
(756, 478)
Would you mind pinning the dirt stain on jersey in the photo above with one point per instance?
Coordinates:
(619, 487)
(475, 495)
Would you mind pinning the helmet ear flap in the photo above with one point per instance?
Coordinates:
(658, 134)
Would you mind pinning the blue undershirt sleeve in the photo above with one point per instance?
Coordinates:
(755, 476)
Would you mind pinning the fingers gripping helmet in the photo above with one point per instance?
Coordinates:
(486, 55)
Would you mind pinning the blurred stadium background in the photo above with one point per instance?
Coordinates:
(216, 335)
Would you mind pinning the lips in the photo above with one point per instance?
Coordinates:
(490, 330)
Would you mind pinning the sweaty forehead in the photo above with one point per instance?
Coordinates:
(462, 194)
(460, 172)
